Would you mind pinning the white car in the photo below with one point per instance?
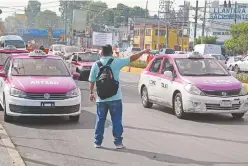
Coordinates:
(239, 65)
(38, 84)
(192, 84)
(69, 50)
(55, 49)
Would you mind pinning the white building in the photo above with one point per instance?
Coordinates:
(221, 18)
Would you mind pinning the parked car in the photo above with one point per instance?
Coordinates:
(240, 66)
(166, 51)
(192, 83)
(230, 63)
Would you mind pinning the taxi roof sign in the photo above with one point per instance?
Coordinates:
(195, 55)
(37, 53)
(9, 47)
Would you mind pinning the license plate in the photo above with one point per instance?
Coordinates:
(226, 104)
(47, 104)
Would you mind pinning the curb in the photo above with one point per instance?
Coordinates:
(132, 69)
(11, 149)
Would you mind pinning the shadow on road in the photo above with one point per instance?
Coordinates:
(187, 135)
(220, 119)
(171, 159)
(87, 121)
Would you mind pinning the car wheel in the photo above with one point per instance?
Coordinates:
(7, 118)
(236, 69)
(178, 106)
(238, 115)
(74, 118)
(145, 98)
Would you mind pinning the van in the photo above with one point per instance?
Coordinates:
(208, 49)
(12, 40)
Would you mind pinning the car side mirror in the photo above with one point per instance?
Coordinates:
(3, 74)
(168, 74)
(75, 76)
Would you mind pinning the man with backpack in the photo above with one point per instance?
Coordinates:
(105, 74)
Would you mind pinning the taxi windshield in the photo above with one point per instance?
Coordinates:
(39, 67)
(89, 57)
(72, 49)
(200, 67)
(15, 43)
(3, 57)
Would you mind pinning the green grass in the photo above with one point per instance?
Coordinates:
(242, 78)
(139, 64)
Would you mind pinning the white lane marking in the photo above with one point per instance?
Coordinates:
(131, 86)
(13, 153)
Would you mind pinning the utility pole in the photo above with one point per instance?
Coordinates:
(65, 21)
(144, 34)
(196, 18)
(235, 13)
(158, 32)
(182, 37)
(204, 22)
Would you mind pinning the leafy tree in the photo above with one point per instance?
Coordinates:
(239, 35)
(205, 40)
(31, 11)
(10, 24)
(47, 19)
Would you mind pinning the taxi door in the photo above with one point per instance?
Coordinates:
(2, 79)
(164, 89)
(152, 78)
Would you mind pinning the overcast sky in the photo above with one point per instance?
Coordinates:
(11, 6)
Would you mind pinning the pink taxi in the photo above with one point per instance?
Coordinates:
(81, 62)
(6, 52)
(192, 84)
(37, 84)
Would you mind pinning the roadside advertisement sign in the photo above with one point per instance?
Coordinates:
(79, 21)
(101, 39)
(228, 13)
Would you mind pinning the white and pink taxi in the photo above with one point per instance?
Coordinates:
(36, 84)
(192, 83)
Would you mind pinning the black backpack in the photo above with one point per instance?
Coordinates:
(106, 85)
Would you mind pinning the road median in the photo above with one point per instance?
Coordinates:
(132, 69)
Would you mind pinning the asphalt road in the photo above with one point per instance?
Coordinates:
(153, 137)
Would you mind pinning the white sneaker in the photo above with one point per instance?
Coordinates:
(121, 146)
(97, 146)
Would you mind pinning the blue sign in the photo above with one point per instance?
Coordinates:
(40, 32)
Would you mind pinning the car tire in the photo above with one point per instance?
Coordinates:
(238, 115)
(7, 118)
(74, 118)
(145, 98)
(236, 69)
(178, 106)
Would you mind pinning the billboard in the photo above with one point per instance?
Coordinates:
(228, 13)
(79, 21)
(101, 39)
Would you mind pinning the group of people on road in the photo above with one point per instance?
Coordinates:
(105, 76)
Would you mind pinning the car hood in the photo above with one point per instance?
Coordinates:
(39, 84)
(81, 63)
(214, 83)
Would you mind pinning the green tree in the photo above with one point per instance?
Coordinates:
(239, 35)
(47, 19)
(205, 40)
(31, 11)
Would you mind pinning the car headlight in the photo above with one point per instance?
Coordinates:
(192, 89)
(73, 93)
(17, 93)
(243, 91)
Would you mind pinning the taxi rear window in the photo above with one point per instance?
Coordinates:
(39, 67)
(3, 57)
